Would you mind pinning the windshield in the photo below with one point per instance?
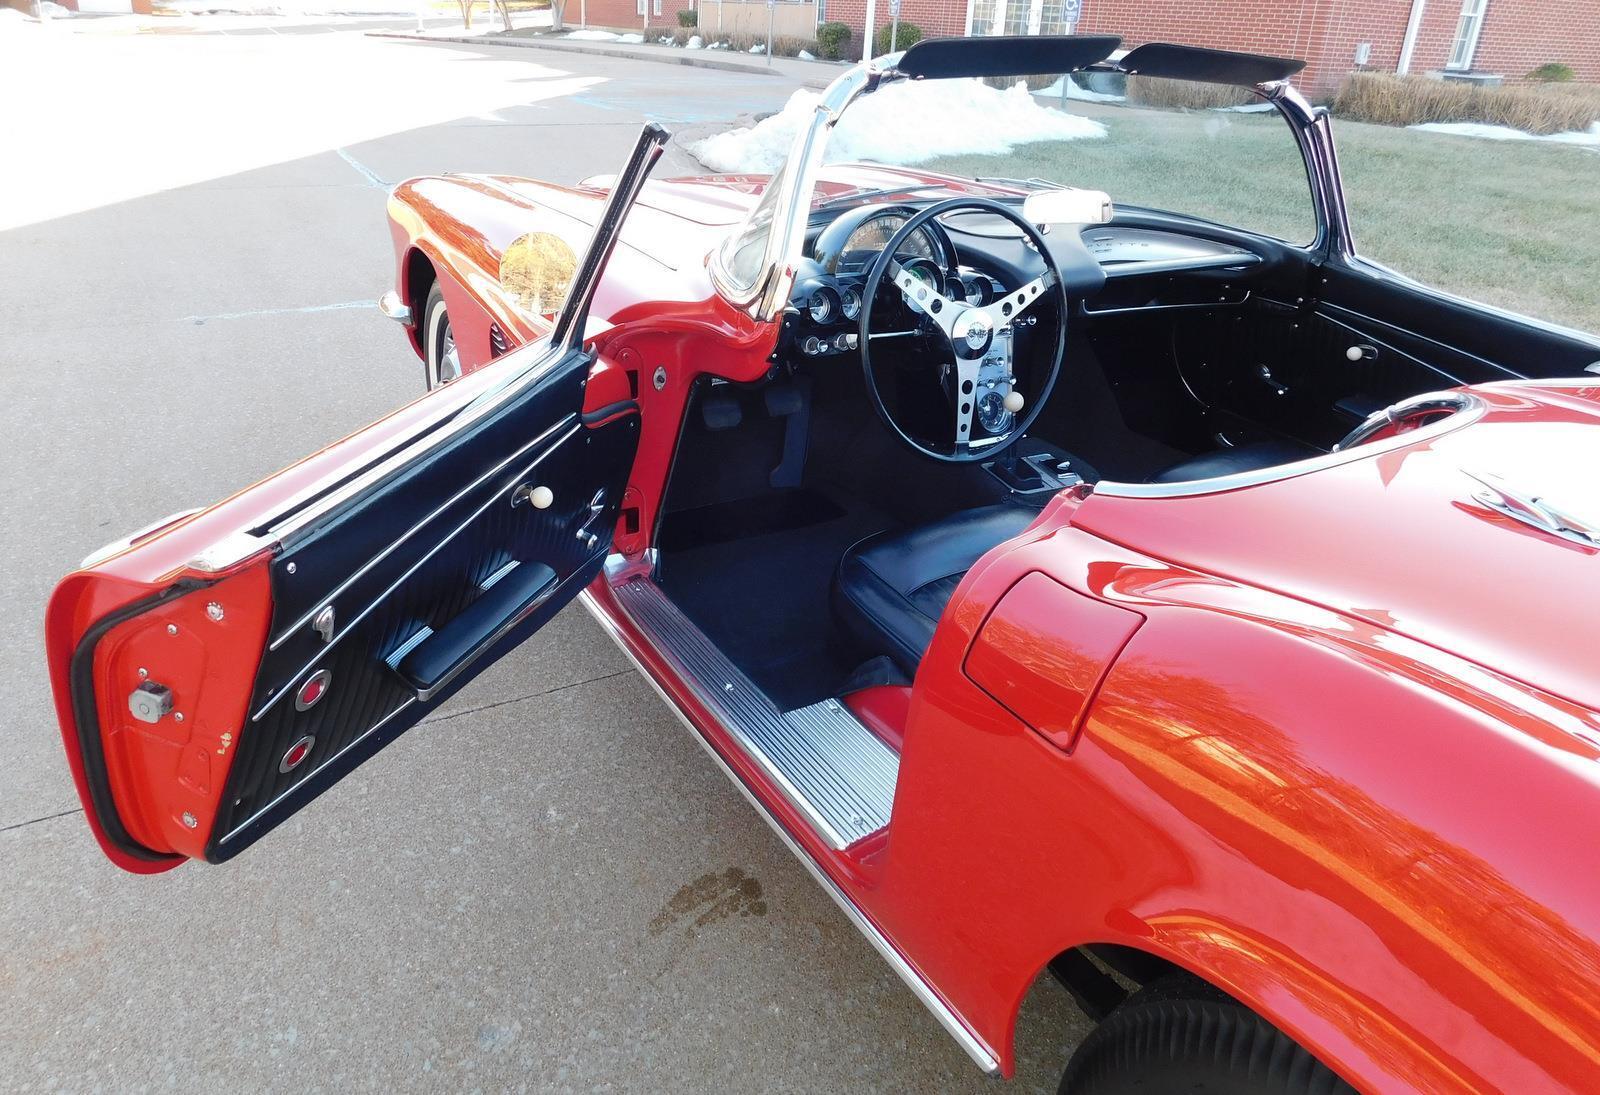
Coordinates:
(1213, 151)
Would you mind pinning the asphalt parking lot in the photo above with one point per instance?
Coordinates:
(546, 886)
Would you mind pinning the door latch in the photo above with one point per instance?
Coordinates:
(150, 701)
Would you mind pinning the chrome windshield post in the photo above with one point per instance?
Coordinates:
(784, 208)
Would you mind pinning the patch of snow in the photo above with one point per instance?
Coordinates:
(665, 39)
(759, 47)
(12, 15)
(694, 42)
(904, 123)
(1074, 91)
(1247, 108)
(630, 39)
(591, 36)
(806, 55)
(1482, 131)
(56, 11)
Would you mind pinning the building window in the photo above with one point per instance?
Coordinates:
(1466, 39)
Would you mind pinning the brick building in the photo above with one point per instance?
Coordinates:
(1467, 39)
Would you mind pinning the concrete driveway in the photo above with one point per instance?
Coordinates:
(546, 886)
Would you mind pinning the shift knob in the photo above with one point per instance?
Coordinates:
(1014, 401)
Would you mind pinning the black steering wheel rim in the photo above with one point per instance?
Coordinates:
(869, 294)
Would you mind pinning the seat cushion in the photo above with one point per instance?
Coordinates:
(1251, 457)
(891, 588)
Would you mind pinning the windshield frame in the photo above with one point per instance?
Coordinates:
(784, 208)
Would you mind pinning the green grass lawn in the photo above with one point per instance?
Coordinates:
(1515, 224)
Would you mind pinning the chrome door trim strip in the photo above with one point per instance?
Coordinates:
(373, 729)
(366, 611)
(569, 421)
(984, 1057)
(1470, 408)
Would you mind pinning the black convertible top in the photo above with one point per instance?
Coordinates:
(1044, 55)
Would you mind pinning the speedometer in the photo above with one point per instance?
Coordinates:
(876, 233)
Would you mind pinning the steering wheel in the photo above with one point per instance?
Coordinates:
(978, 339)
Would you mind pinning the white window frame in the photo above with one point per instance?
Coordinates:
(1464, 46)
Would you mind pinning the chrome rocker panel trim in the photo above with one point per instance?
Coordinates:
(954, 1025)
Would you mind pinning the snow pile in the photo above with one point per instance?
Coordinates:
(904, 123)
(630, 39)
(694, 42)
(1590, 136)
(759, 47)
(806, 55)
(53, 10)
(12, 15)
(591, 36)
(666, 40)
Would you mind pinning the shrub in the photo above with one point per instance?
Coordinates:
(1412, 100)
(1186, 94)
(831, 38)
(688, 17)
(783, 45)
(1552, 73)
(905, 36)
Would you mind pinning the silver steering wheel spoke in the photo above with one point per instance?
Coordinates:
(933, 304)
(1013, 304)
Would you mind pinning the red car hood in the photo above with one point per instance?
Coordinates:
(1396, 537)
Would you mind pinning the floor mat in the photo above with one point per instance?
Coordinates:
(779, 511)
(763, 599)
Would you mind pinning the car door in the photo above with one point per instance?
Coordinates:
(214, 675)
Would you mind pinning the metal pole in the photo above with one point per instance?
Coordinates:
(894, 30)
(771, 5)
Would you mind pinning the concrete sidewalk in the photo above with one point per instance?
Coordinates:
(810, 74)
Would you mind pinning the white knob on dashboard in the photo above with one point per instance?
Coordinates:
(1355, 353)
(541, 497)
(1014, 401)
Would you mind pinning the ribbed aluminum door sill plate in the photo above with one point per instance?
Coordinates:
(832, 769)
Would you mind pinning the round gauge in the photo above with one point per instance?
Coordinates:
(926, 273)
(992, 413)
(822, 305)
(876, 233)
(975, 291)
(851, 302)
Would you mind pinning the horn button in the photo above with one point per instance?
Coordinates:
(972, 332)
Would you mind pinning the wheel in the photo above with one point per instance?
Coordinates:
(1180, 1036)
(443, 360)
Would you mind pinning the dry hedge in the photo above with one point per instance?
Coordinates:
(1411, 100)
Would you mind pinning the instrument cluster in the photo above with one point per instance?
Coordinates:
(824, 311)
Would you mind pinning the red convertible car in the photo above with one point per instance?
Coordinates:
(1199, 612)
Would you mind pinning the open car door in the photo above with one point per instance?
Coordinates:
(215, 675)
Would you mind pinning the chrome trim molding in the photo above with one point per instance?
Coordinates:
(1471, 408)
(1450, 403)
(954, 1025)
(836, 773)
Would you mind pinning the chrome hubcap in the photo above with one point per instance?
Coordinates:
(449, 357)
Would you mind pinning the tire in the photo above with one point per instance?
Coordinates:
(441, 358)
(1180, 1036)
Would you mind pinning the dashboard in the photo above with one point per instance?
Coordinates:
(978, 257)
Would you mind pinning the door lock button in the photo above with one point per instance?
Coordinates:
(150, 701)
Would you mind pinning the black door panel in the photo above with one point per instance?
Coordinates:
(401, 595)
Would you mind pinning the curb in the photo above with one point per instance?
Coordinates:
(659, 55)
